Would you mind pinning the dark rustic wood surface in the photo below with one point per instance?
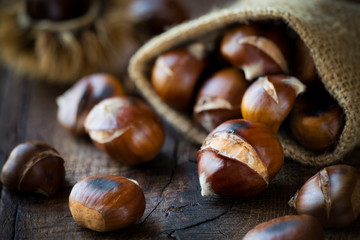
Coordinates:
(174, 207)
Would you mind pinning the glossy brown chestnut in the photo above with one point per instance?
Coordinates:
(256, 51)
(303, 227)
(56, 10)
(175, 74)
(151, 17)
(316, 123)
(304, 67)
(239, 158)
(106, 202)
(270, 99)
(76, 103)
(126, 129)
(33, 167)
(220, 97)
(332, 196)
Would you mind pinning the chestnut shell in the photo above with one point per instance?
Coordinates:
(33, 167)
(126, 128)
(106, 202)
(236, 177)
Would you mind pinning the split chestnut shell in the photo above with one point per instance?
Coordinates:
(239, 158)
(126, 128)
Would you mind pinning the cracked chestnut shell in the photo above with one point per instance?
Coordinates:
(332, 196)
(270, 99)
(126, 128)
(76, 103)
(316, 122)
(302, 227)
(56, 10)
(106, 202)
(175, 74)
(220, 97)
(33, 167)
(256, 51)
(239, 158)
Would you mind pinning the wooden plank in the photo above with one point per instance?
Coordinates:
(174, 207)
(13, 114)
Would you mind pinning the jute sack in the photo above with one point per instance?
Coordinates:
(329, 28)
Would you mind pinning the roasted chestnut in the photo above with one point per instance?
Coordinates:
(303, 227)
(33, 167)
(126, 129)
(220, 97)
(332, 196)
(175, 74)
(106, 202)
(239, 158)
(304, 67)
(256, 51)
(316, 122)
(270, 99)
(76, 103)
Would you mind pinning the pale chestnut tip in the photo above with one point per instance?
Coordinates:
(205, 186)
(198, 50)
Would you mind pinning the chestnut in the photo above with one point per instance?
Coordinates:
(239, 158)
(316, 123)
(175, 74)
(256, 51)
(76, 103)
(33, 167)
(106, 202)
(270, 99)
(126, 129)
(332, 195)
(304, 67)
(152, 17)
(220, 97)
(56, 10)
(303, 227)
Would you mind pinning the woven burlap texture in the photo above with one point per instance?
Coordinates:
(329, 28)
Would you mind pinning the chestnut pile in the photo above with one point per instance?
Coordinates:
(255, 72)
(124, 127)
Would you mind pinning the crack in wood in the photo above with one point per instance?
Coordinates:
(172, 236)
(165, 186)
(16, 219)
(178, 208)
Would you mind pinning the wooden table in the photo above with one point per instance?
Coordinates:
(174, 207)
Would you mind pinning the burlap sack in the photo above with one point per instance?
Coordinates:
(330, 29)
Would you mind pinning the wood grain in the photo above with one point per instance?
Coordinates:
(174, 207)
